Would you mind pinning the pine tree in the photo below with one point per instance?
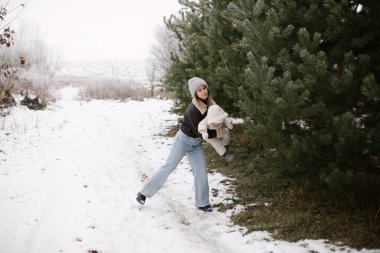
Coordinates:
(210, 50)
(312, 88)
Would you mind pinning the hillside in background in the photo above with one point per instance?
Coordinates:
(118, 70)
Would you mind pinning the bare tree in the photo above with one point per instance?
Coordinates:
(152, 73)
(28, 47)
(162, 51)
(166, 46)
(8, 13)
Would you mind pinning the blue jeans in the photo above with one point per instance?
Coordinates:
(193, 149)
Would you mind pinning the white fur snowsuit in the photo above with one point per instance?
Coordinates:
(216, 114)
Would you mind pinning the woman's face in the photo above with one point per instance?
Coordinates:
(202, 92)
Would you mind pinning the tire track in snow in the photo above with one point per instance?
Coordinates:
(76, 196)
(68, 169)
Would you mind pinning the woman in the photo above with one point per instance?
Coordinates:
(187, 141)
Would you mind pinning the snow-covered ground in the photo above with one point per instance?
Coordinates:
(69, 177)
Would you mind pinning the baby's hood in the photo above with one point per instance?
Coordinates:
(216, 114)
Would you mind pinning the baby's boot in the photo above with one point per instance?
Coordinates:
(228, 157)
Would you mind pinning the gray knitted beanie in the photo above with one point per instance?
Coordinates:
(195, 83)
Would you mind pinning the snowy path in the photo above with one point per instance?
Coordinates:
(68, 182)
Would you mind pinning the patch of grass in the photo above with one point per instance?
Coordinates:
(170, 132)
(292, 210)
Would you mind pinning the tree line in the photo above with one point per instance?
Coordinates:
(303, 74)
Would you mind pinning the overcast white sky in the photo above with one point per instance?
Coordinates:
(99, 29)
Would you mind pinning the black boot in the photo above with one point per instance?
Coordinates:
(205, 208)
(140, 198)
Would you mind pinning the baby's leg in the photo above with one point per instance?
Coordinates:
(226, 137)
(218, 145)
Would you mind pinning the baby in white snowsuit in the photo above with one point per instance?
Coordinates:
(217, 119)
